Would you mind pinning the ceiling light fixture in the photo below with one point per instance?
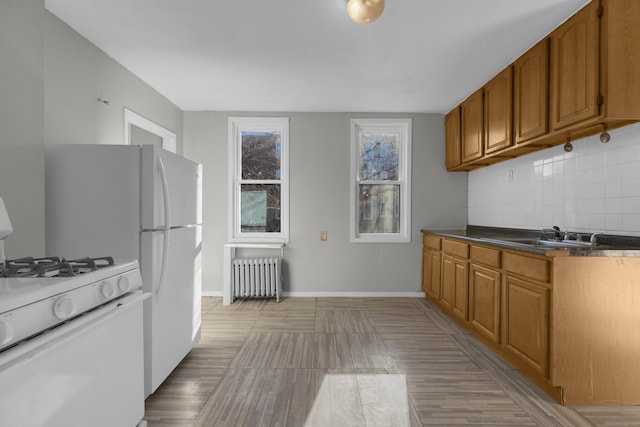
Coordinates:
(365, 11)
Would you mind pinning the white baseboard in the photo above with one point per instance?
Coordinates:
(337, 294)
(211, 293)
(355, 294)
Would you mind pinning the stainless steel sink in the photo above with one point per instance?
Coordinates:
(529, 241)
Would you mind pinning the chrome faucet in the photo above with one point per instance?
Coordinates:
(555, 230)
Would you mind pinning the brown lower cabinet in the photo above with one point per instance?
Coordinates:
(568, 323)
(455, 285)
(526, 322)
(431, 266)
(484, 301)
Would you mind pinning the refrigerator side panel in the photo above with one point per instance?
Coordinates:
(183, 180)
(173, 313)
(92, 200)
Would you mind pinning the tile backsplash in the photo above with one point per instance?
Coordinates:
(596, 187)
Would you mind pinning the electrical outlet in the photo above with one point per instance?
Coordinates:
(323, 235)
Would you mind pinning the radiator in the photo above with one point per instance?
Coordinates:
(257, 277)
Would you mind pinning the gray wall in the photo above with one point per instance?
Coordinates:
(50, 79)
(319, 200)
(21, 124)
(76, 75)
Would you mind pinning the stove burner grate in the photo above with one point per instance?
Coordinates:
(52, 266)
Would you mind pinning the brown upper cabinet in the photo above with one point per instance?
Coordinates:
(582, 79)
(471, 112)
(531, 93)
(452, 133)
(498, 111)
(574, 71)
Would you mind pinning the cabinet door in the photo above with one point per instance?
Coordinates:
(525, 322)
(484, 301)
(426, 271)
(431, 273)
(472, 124)
(531, 93)
(460, 302)
(446, 290)
(452, 138)
(498, 104)
(575, 68)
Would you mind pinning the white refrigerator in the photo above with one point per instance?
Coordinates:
(143, 202)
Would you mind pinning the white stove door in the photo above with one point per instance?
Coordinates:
(87, 372)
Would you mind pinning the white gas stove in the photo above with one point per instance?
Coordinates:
(71, 340)
(38, 294)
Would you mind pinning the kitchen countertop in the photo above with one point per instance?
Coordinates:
(608, 245)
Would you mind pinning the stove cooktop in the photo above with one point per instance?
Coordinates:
(20, 291)
(52, 266)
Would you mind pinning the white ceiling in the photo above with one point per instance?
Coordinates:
(306, 55)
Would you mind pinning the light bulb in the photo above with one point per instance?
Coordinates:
(365, 11)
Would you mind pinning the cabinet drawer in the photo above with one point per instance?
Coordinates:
(486, 256)
(456, 248)
(533, 268)
(431, 241)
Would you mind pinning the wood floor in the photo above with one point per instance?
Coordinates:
(351, 362)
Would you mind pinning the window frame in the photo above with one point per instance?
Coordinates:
(403, 126)
(236, 125)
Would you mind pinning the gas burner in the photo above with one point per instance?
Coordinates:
(84, 265)
(52, 266)
(26, 267)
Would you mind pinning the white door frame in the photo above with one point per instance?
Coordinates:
(133, 118)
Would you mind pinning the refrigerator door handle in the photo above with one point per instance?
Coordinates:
(166, 228)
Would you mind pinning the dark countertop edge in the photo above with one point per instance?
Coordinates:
(609, 245)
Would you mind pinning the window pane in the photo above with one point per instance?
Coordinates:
(379, 209)
(260, 155)
(379, 156)
(260, 208)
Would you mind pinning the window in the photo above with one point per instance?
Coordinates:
(259, 195)
(381, 180)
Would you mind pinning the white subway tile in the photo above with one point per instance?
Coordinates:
(596, 222)
(613, 206)
(631, 222)
(613, 223)
(613, 189)
(631, 206)
(613, 172)
(597, 206)
(596, 190)
(597, 159)
(630, 153)
(613, 156)
(630, 188)
(583, 162)
(596, 186)
(596, 174)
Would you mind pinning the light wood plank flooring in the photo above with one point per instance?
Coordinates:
(351, 362)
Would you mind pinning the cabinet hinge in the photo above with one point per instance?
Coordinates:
(600, 100)
(600, 11)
